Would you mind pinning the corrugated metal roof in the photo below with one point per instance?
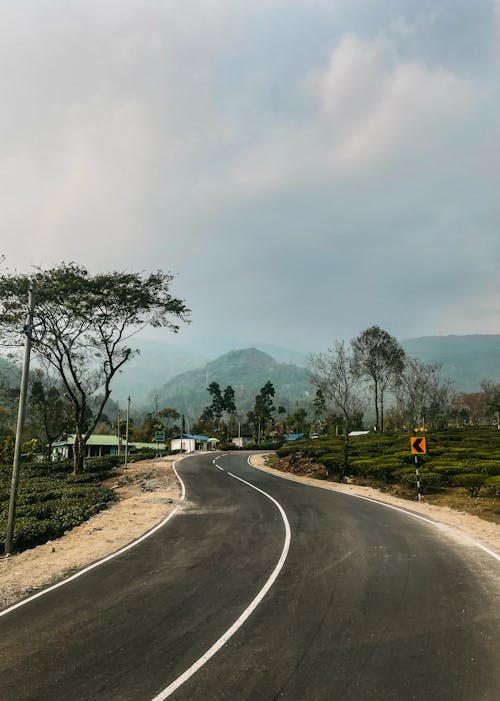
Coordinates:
(107, 441)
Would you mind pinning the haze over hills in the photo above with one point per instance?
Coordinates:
(159, 361)
(466, 360)
(246, 371)
(163, 368)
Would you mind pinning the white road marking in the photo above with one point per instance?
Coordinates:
(437, 524)
(219, 467)
(246, 613)
(104, 559)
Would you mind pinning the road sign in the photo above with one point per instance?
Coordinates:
(418, 445)
(159, 436)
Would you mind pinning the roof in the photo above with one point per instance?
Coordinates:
(191, 436)
(105, 441)
(293, 436)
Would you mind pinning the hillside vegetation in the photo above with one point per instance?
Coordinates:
(246, 371)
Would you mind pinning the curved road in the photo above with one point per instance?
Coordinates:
(369, 603)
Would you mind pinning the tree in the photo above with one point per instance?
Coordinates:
(334, 374)
(49, 408)
(170, 418)
(261, 416)
(422, 395)
(377, 356)
(82, 327)
(222, 402)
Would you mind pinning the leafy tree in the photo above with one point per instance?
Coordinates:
(82, 327)
(378, 357)
(261, 417)
(169, 418)
(222, 402)
(49, 408)
(334, 374)
(145, 432)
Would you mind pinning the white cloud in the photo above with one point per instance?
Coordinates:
(374, 109)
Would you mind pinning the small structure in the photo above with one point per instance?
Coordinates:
(188, 443)
(98, 446)
(293, 436)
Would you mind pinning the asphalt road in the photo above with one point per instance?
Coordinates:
(369, 603)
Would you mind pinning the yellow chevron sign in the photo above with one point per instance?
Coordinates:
(418, 445)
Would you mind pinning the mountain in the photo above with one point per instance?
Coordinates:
(160, 360)
(246, 370)
(466, 360)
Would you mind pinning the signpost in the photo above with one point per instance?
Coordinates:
(418, 446)
(159, 438)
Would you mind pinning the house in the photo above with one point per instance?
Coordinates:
(188, 443)
(98, 446)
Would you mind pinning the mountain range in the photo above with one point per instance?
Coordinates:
(178, 375)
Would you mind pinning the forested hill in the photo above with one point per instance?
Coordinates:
(465, 359)
(246, 371)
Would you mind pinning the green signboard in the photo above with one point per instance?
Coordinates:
(159, 436)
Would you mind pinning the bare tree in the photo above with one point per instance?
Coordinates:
(334, 374)
(378, 357)
(421, 392)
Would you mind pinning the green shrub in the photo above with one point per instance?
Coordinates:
(472, 482)
(493, 485)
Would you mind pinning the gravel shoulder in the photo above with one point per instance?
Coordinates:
(462, 525)
(146, 492)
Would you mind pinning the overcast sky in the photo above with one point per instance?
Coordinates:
(306, 168)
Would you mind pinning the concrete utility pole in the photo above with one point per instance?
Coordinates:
(126, 431)
(118, 437)
(28, 330)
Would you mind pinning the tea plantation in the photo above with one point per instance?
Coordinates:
(51, 500)
(466, 457)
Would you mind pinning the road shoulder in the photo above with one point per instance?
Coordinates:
(146, 492)
(464, 526)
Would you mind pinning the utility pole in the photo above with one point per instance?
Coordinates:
(28, 330)
(119, 447)
(126, 431)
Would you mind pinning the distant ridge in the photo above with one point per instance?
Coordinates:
(466, 360)
(246, 370)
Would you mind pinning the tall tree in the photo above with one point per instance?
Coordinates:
(261, 417)
(334, 374)
(378, 357)
(82, 328)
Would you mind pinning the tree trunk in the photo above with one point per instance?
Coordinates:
(381, 411)
(78, 454)
(344, 467)
(377, 426)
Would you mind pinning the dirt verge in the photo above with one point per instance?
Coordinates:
(146, 492)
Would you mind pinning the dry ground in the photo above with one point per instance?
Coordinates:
(146, 492)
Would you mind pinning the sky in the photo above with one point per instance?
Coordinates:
(305, 168)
